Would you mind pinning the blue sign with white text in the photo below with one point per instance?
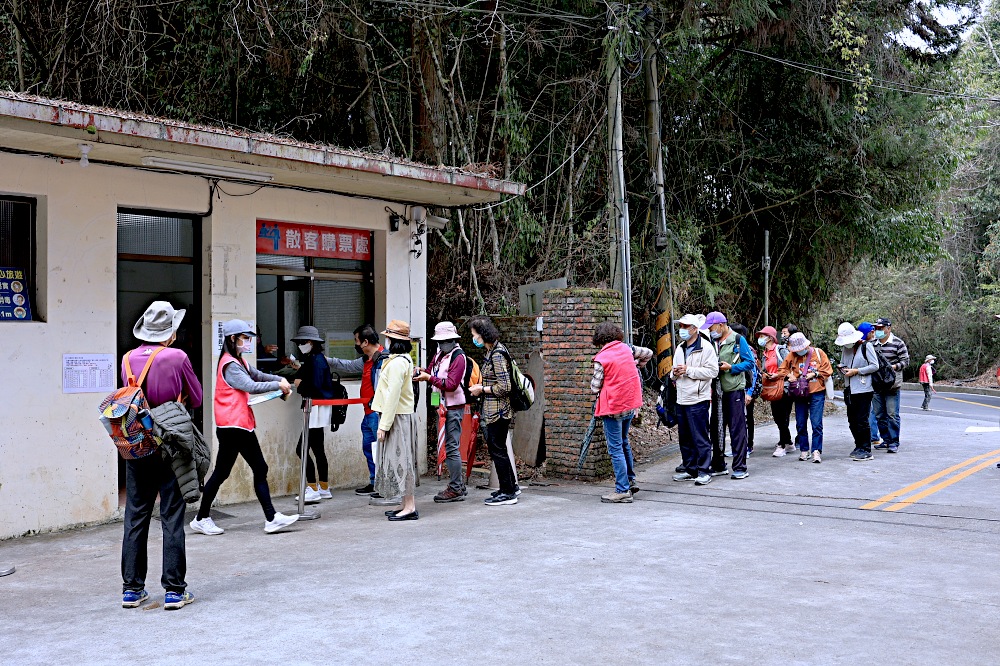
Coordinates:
(14, 302)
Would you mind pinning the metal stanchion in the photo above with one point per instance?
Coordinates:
(303, 514)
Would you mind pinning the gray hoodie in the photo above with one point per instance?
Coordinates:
(865, 363)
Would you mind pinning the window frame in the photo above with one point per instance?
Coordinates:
(32, 268)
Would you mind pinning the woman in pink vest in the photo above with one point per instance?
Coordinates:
(235, 381)
(619, 396)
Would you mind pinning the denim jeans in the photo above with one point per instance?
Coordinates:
(873, 423)
(369, 435)
(616, 435)
(886, 410)
(693, 438)
(144, 478)
(810, 411)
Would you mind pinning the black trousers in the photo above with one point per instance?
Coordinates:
(235, 442)
(859, 407)
(496, 443)
(318, 452)
(144, 479)
(781, 411)
(750, 423)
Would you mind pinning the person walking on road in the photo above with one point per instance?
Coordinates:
(772, 355)
(235, 426)
(696, 365)
(886, 405)
(927, 380)
(496, 411)
(813, 364)
(618, 386)
(735, 359)
(314, 380)
(446, 375)
(164, 374)
(857, 363)
(396, 465)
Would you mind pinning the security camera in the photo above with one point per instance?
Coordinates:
(435, 222)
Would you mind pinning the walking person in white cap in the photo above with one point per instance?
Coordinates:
(165, 375)
(236, 380)
(696, 364)
(927, 380)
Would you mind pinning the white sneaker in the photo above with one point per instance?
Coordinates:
(206, 526)
(312, 497)
(280, 522)
(324, 494)
(779, 451)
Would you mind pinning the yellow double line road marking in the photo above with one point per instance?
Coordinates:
(931, 479)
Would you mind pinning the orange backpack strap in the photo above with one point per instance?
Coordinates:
(145, 370)
(129, 377)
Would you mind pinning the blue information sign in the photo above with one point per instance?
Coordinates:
(14, 302)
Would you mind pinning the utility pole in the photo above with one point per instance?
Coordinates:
(621, 263)
(767, 277)
(654, 149)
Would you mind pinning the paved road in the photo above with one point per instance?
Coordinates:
(799, 564)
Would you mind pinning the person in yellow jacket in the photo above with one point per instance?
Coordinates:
(396, 466)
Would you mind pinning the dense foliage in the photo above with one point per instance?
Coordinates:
(792, 116)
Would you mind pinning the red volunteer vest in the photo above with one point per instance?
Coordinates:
(622, 388)
(230, 405)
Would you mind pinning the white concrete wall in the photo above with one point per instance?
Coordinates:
(58, 467)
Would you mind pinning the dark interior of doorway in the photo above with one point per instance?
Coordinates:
(159, 259)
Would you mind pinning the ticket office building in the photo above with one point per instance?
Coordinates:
(224, 225)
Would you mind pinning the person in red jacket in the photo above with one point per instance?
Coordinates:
(927, 380)
(618, 387)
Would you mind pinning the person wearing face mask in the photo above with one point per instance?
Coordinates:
(772, 354)
(371, 356)
(867, 330)
(735, 359)
(787, 331)
(886, 405)
(314, 380)
(236, 380)
(813, 364)
(446, 374)
(696, 364)
(927, 380)
(857, 363)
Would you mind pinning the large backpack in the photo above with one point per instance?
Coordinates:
(120, 414)
(522, 386)
(883, 379)
(339, 411)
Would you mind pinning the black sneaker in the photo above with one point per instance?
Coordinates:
(861, 456)
(500, 500)
(633, 488)
(365, 490)
(680, 469)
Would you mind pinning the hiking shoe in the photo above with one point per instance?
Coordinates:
(365, 490)
(175, 600)
(324, 493)
(448, 495)
(617, 498)
(501, 500)
(683, 476)
(680, 469)
(804, 455)
(880, 445)
(206, 526)
(133, 599)
(312, 496)
(632, 488)
(378, 500)
(862, 455)
(779, 451)
(720, 472)
(892, 449)
(817, 457)
(280, 522)
(739, 475)
(703, 480)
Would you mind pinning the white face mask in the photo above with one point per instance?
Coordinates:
(246, 346)
(306, 347)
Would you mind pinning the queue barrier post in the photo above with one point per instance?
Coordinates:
(304, 449)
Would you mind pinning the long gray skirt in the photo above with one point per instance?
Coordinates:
(396, 467)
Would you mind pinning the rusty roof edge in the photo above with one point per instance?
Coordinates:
(97, 119)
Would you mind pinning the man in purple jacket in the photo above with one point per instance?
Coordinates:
(170, 377)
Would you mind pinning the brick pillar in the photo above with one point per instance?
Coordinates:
(570, 318)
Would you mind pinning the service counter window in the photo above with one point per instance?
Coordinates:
(311, 275)
(17, 259)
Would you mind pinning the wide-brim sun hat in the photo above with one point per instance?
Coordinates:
(770, 331)
(158, 322)
(307, 334)
(798, 342)
(847, 335)
(397, 329)
(691, 320)
(445, 330)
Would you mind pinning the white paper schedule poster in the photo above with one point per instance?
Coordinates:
(89, 373)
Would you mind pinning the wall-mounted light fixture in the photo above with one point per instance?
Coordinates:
(84, 151)
(394, 219)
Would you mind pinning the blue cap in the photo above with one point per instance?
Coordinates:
(865, 327)
(237, 327)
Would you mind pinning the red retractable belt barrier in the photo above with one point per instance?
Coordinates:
(334, 403)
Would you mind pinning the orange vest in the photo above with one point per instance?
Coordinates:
(622, 388)
(230, 405)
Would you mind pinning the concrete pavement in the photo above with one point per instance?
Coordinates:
(782, 568)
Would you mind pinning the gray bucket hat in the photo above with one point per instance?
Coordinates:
(307, 333)
(158, 323)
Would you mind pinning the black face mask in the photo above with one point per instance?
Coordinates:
(784, 339)
(361, 352)
(446, 347)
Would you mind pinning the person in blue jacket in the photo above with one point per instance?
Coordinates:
(735, 360)
(313, 380)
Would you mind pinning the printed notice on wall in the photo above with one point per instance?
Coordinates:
(14, 303)
(89, 373)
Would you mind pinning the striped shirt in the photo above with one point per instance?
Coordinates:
(896, 354)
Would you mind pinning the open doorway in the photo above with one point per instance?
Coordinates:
(159, 256)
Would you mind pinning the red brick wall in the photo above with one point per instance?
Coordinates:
(570, 316)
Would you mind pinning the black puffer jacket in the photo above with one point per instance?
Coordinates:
(183, 446)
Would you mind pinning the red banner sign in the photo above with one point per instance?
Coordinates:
(306, 240)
